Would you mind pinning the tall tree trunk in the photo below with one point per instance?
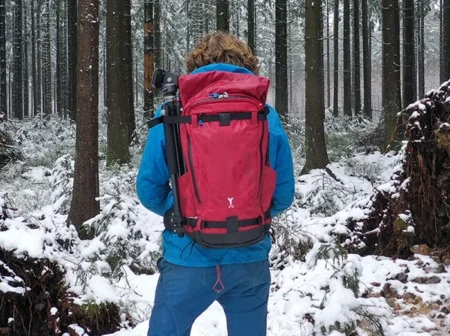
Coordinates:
(281, 73)
(58, 60)
(251, 25)
(10, 94)
(223, 15)
(196, 13)
(136, 82)
(105, 75)
(446, 41)
(409, 59)
(391, 67)
(25, 72)
(441, 42)
(47, 61)
(34, 57)
(316, 153)
(356, 58)
(120, 86)
(157, 41)
(421, 51)
(347, 70)
(3, 92)
(205, 19)
(17, 54)
(328, 56)
(73, 57)
(86, 181)
(64, 62)
(188, 28)
(237, 19)
(148, 58)
(336, 60)
(367, 61)
(39, 58)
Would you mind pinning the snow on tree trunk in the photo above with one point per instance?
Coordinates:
(86, 185)
(251, 25)
(367, 61)
(223, 15)
(347, 70)
(3, 103)
(281, 71)
(391, 67)
(73, 58)
(17, 47)
(148, 58)
(356, 57)
(316, 154)
(336, 59)
(409, 57)
(119, 80)
(446, 40)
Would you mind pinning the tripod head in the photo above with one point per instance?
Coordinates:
(166, 82)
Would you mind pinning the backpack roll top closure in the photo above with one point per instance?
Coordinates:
(226, 193)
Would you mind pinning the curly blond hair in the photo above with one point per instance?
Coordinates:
(221, 47)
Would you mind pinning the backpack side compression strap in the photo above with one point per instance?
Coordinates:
(168, 120)
(223, 118)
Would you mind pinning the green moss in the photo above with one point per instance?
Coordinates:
(92, 310)
(400, 225)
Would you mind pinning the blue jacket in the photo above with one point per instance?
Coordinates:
(156, 195)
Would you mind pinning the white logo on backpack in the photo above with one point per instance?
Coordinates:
(230, 200)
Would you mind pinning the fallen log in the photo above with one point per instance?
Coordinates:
(414, 208)
(35, 301)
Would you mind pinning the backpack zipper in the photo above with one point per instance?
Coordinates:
(214, 97)
(191, 165)
(261, 167)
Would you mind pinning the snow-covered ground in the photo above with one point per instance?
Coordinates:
(310, 294)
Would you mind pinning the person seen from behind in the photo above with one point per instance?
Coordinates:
(195, 271)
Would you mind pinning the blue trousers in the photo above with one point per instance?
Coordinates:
(184, 293)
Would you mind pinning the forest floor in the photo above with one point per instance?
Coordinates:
(316, 288)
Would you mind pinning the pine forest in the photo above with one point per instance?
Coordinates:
(362, 90)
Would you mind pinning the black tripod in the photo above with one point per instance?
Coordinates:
(167, 82)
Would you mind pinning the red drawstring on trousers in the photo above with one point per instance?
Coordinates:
(218, 286)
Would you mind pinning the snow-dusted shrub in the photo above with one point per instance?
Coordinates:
(43, 141)
(8, 151)
(370, 171)
(295, 130)
(5, 209)
(61, 182)
(345, 136)
(342, 308)
(120, 239)
(291, 242)
(141, 132)
(327, 197)
(118, 179)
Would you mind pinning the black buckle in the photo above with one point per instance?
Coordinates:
(224, 119)
(174, 224)
(232, 224)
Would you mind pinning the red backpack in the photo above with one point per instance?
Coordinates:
(225, 193)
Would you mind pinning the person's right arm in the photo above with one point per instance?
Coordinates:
(152, 183)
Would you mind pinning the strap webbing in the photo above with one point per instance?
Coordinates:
(168, 120)
(225, 224)
(223, 118)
